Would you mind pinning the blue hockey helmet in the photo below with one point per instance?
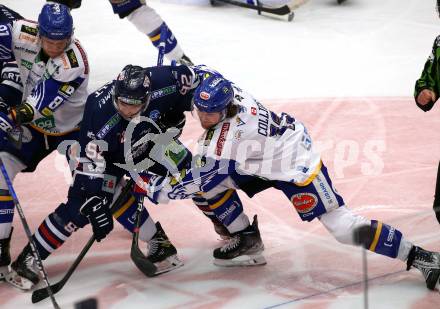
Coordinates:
(55, 22)
(132, 86)
(213, 94)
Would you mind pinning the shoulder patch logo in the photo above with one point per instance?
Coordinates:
(29, 30)
(72, 58)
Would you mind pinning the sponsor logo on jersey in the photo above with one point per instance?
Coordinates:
(174, 180)
(240, 122)
(26, 50)
(238, 134)
(154, 114)
(109, 184)
(29, 30)
(253, 111)
(163, 92)
(208, 137)
(72, 58)
(46, 112)
(67, 89)
(26, 64)
(84, 57)
(45, 122)
(26, 37)
(175, 153)
(108, 126)
(304, 202)
(222, 138)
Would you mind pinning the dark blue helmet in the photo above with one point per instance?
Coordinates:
(213, 94)
(132, 86)
(55, 22)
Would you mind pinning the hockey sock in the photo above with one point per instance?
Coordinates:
(50, 235)
(6, 213)
(126, 214)
(380, 238)
(228, 209)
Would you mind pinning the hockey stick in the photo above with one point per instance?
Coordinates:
(27, 230)
(138, 258)
(283, 10)
(40, 294)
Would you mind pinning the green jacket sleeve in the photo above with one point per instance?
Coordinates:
(430, 78)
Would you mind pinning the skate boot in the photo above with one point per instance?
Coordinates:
(162, 253)
(25, 273)
(5, 257)
(244, 248)
(428, 263)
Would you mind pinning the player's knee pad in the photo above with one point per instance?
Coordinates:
(126, 213)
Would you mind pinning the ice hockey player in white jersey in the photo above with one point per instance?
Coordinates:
(147, 21)
(54, 71)
(244, 139)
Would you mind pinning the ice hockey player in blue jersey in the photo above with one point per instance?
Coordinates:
(161, 95)
(54, 74)
(244, 139)
(147, 21)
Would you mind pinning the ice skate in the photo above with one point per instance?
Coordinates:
(428, 263)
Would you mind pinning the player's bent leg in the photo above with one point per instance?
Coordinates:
(13, 167)
(244, 247)
(383, 239)
(50, 235)
(147, 21)
(161, 252)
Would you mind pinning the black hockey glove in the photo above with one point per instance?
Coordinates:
(99, 215)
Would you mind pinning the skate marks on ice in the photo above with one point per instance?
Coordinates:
(378, 162)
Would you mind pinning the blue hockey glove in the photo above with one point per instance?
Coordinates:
(99, 215)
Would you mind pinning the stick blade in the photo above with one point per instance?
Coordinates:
(142, 263)
(41, 294)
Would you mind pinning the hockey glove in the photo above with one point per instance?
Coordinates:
(99, 215)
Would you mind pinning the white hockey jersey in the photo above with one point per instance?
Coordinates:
(262, 143)
(55, 88)
(255, 142)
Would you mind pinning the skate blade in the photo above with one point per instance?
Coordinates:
(169, 264)
(4, 271)
(18, 281)
(243, 260)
